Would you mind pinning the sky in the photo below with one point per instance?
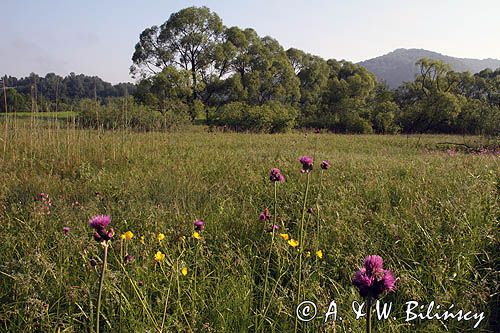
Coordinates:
(97, 37)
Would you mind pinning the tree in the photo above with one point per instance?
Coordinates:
(430, 102)
(188, 40)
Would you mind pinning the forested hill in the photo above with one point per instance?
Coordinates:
(398, 66)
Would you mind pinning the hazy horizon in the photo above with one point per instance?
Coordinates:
(96, 38)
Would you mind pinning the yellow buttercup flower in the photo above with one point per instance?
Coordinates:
(184, 271)
(142, 240)
(319, 254)
(160, 237)
(293, 243)
(127, 235)
(284, 236)
(196, 235)
(159, 256)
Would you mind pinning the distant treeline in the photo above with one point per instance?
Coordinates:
(193, 67)
(246, 82)
(56, 93)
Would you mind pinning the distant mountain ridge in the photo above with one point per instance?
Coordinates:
(398, 66)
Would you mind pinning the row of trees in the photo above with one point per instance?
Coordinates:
(248, 82)
(56, 93)
(192, 67)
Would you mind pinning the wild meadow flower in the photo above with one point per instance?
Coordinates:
(325, 165)
(142, 240)
(99, 223)
(184, 271)
(196, 235)
(276, 176)
(273, 228)
(160, 237)
(159, 256)
(307, 163)
(199, 225)
(45, 203)
(319, 254)
(264, 216)
(293, 243)
(66, 230)
(127, 235)
(372, 279)
(285, 236)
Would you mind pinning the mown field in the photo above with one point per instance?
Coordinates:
(433, 216)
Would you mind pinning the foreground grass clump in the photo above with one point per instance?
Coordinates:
(432, 216)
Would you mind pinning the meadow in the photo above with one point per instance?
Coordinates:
(431, 214)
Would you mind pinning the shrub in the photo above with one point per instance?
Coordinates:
(271, 117)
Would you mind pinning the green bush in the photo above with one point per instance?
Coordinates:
(271, 117)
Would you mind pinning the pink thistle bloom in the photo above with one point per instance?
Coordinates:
(276, 176)
(264, 216)
(307, 163)
(273, 228)
(325, 165)
(66, 230)
(199, 225)
(99, 224)
(372, 279)
(100, 221)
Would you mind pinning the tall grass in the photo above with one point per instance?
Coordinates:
(433, 217)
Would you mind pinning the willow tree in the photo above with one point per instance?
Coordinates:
(188, 40)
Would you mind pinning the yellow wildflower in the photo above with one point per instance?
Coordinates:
(196, 235)
(159, 257)
(127, 235)
(142, 240)
(184, 271)
(308, 254)
(293, 243)
(161, 237)
(319, 254)
(284, 236)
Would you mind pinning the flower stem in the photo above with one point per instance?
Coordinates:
(301, 245)
(101, 283)
(369, 316)
(269, 255)
(317, 210)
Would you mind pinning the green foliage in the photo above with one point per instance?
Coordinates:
(271, 117)
(125, 113)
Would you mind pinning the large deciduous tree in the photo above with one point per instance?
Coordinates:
(190, 39)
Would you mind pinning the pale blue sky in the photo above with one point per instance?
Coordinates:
(98, 37)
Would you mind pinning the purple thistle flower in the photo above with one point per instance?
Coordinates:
(99, 222)
(372, 279)
(199, 225)
(325, 165)
(307, 163)
(273, 228)
(264, 216)
(66, 230)
(276, 176)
